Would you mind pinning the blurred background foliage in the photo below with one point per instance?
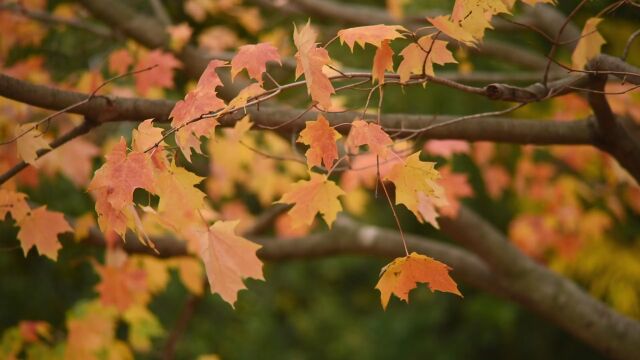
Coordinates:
(324, 309)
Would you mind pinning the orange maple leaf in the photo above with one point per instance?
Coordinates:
(310, 60)
(121, 285)
(403, 274)
(14, 203)
(254, 58)
(382, 61)
(321, 138)
(228, 259)
(121, 174)
(120, 61)
(371, 34)
(40, 228)
(318, 195)
(161, 75)
(370, 134)
(414, 57)
(201, 100)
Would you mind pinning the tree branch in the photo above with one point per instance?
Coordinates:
(554, 297)
(507, 130)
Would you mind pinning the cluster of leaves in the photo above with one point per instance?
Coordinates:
(554, 217)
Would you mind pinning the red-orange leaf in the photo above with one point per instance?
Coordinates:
(254, 58)
(202, 100)
(370, 134)
(310, 61)
(160, 76)
(382, 61)
(321, 139)
(404, 273)
(228, 259)
(40, 228)
(122, 174)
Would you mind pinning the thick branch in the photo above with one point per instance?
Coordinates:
(135, 109)
(345, 237)
(550, 295)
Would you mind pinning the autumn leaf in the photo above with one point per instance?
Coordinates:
(310, 59)
(321, 138)
(120, 61)
(254, 58)
(40, 228)
(121, 283)
(179, 35)
(446, 148)
(310, 197)
(469, 19)
(146, 136)
(228, 259)
(121, 174)
(414, 57)
(413, 177)
(14, 203)
(403, 274)
(371, 34)
(370, 134)
(179, 198)
(199, 101)
(29, 141)
(160, 76)
(382, 61)
(589, 44)
(79, 171)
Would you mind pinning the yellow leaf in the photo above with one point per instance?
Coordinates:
(29, 142)
(589, 44)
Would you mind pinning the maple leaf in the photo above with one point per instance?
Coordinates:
(254, 58)
(446, 148)
(310, 197)
(91, 331)
(452, 29)
(589, 44)
(228, 259)
(412, 178)
(199, 101)
(14, 203)
(146, 136)
(371, 34)
(40, 228)
(469, 19)
(161, 75)
(121, 283)
(382, 61)
(370, 134)
(179, 35)
(121, 174)
(29, 142)
(455, 186)
(179, 198)
(120, 61)
(79, 170)
(321, 138)
(414, 57)
(403, 274)
(310, 60)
